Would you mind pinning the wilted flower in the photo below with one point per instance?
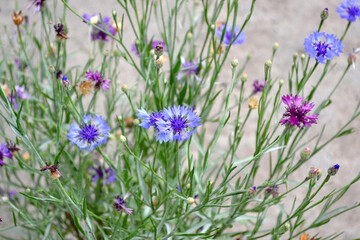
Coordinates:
(129, 122)
(258, 86)
(273, 190)
(106, 175)
(12, 147)
(321, 51)
(96, 34)
(60, 32)
(54, 172)
(349, 9)
(98, 80)
(4, 152)
(253, 102)
(333, 170)
(39, 4)
(176, 123)
(86, 87)
(17, 17)
(92, 132)
(1, 220)
(120, 204)
(296, 111)
(228, 34)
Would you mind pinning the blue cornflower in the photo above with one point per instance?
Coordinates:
(176, 123)
(92, 132)
(4, 152)
(189, 69)
(107, 175)
(349, 9)
(321, 51)
(228, 32)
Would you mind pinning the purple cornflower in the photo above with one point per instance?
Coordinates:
(258, 86)
(97, 78)
(120, 204)
(4, 152)
(176, 123)
(296, 112)
(322, 51)
(96, 34)
(106, 174)
(349, 9)
(39, 4)
(92, 132)
(228, 32)
(189, 69)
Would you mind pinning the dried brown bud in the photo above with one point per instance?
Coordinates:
(17, 17)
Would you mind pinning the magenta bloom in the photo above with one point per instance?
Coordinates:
(97, 78)
(258, 86)
(120, 204)
(296, 112)
(4, 152)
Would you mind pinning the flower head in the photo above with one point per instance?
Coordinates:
(96, 34)
(107, 175)
(54, 170)
(4, 152)
(349, 9)
(321, 51)
(135, 45)
(120, 204)
(296, 111)
(60, 32)
(98, 80)
(92, 132)
(175, 123)
(189, 69)
(12, 147)
(258, 86)
(273, 190)
(39, 4)
(227, 32)
(333, 170)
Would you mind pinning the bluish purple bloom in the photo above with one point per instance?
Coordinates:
(92, 132)
(65, 81)
(120, 204)
(20, 93)
(4, 152)
(228, 32)
(258, 86)
(97, 78)
(321, 51)
(296, 111)
(176, 123)
(189, 69)
(39, 4)
(107, 175)
(349, 9)
(96, 34)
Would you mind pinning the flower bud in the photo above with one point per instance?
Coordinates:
(190, 200)
(315, 173)
(189, 35)
(275, 46)
(17, 17)
(5, 199)
(122, 138)
(244, 77)
(51, 69)
(324, 14)
(305, 154)
(284, 229)
(165, 80)
(253, 102)
(114, 13)
(26, 156)
(268, 63)
(295, 55)
(136, 121)
(281, 82)
(302, 56)
(352, 58)
(249, 56)
(252, 191)
(119, 117)
(65, 81)
(129, 122)
(124, 88)
(333, 170)
(159, 50)
(234, 62)
(94, 19)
